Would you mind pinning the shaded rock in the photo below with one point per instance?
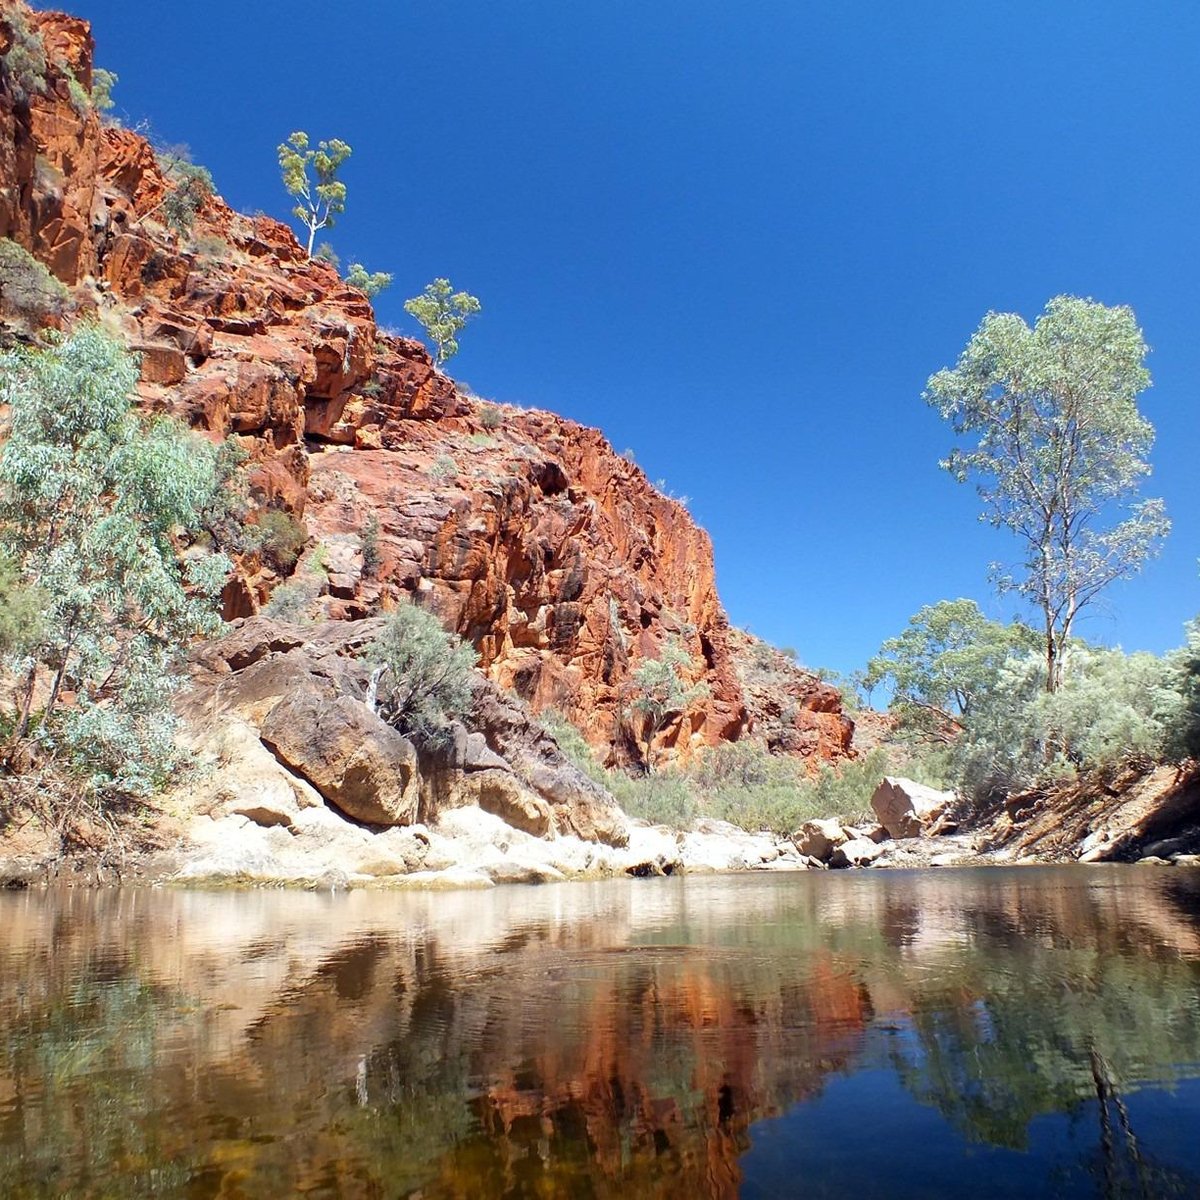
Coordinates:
(908, 809)
(351, 756)
(858, 852)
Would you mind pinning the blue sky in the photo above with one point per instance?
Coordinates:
(739, 237)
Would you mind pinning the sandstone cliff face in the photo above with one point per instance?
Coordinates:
(534, 540)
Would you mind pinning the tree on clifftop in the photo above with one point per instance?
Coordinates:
(1061, 447)
(443, 313)
(318, 199)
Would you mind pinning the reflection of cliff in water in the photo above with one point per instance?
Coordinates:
(599, 1040)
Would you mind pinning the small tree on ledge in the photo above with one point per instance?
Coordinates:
(317, 203)
(442, 313)
(661, 694)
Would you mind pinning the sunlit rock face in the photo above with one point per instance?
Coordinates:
(531, 537)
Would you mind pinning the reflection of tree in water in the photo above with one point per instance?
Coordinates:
(1121, 1167)
(87, 1061)
(566, 1059)
(1031, 1026)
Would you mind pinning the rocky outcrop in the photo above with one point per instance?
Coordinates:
(355, 760)
(791, 710)
(303, 690)
(529, 536)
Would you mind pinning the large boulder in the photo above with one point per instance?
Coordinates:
(908, 809)
(818, 839)
(352, 757)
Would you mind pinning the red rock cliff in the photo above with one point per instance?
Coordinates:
(551, 553)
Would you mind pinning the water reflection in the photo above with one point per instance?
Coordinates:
(700, 1037)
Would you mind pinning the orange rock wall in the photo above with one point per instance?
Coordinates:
(551, 553)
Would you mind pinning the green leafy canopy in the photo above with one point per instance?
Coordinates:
(1056, 447)
(311, 177)
(95, 506)
(443, 313)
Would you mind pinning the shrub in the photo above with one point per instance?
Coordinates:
(443, 469)
(326, 253)
(212, 247)
(189, 187)
(103, 83)
(424, 673)
(371, 559)
(660, 693)
(280, 539)
(739, 782)
(370, 283)
(27, 290)
(491, 417)
(289, 602)
(23, 64)
(1112, 709)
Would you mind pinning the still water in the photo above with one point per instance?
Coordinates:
(992, 1033)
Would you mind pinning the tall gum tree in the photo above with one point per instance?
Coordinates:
(1060, 448)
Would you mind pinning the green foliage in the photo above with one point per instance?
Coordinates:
(92, 503)
(442, 313)
(81, 99)
(370, 284)
(281, 537)
(103, 83)
(27, 289)
(371, 558)
(661, 694)
(189, 188)
(23, 65)
(211, 246)
(1059, 447)
(424, 673)
(491, 417)
(1187, 733)
(290, 601)
(949, 654)
(739, 782)
(311, 177)
(1112, 709)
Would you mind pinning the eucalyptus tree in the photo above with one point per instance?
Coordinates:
(1059, 447)
(96, 508)
(370, 283)
(320, 196)
(948, 657)
(443, 313)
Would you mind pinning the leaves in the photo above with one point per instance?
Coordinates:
(370, 284)
(443, 313)
(92, 503)
(1056, 448)
(311, 176)
(424, 672)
